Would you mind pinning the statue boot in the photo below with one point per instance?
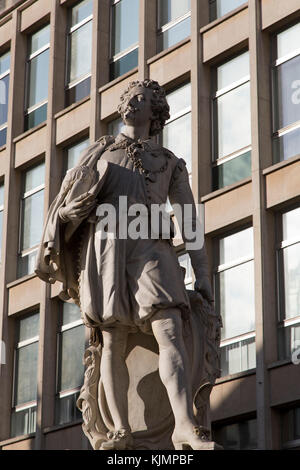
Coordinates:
(197, 439)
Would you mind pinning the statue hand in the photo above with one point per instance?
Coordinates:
(203, 286)
(78, 208)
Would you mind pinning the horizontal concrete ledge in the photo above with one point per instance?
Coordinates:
(238, 375)
(223, 18)
(29, 132)
(279, 165)
(168, 51)
(13, 440)
(226, 189)
(71, 107)
(59, 427)
(118, 80)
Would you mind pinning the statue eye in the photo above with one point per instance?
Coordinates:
(140, 97)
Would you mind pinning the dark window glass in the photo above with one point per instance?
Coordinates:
(78, 92)
(237, 436)
(123, 65)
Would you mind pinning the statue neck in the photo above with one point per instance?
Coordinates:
(136, 133)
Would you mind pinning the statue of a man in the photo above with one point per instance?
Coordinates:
(123, 284)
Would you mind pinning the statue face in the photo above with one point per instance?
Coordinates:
(138, 107)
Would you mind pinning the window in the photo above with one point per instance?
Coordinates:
(32, 217)
(177, 135)
(286, 99)
(79, 51)
(115, 127)
(288, 260)
(1, 214)
(124, 36)
(174, 22)
(74, 152)
(71, 347)
(25, 376)
(236, 436)
(220, 8)
(185, 263)
(290, 428)
(37, 78)
(232, 122)
(4, 89)
(234, 287)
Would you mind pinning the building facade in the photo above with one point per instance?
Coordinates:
(231, 70)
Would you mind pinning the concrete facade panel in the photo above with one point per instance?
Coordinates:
(233, 398)
(172, 65)
(73, 122)
(26, 444)
(283, 184)
(2, 162)
(289, 375)
(5, 32)
(225, 35)
(110, 97)
(228, 208)
(30, 146)
(275, 10)
(65, 439)
(24, 295)
(35, 12)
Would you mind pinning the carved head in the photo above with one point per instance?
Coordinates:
(129, 103)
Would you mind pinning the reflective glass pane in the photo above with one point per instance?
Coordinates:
(23, 422)
(291, 224)
(4, 63)
(175, 34)
(74, 152)
(225, 6)
(81, 52)
(27, 264)
(123, 65)
(81, 11)
(234, 70)
(238, 357)
(66, 409)
(287, 83)
(177, 138)
(34, 177)
(237, 300)
(287, 145)
(237, 436)
(32, 220)
(71, 357)
(78, 92)
(232, 171)
(39, 39)
(4, 88)
(288, 341)
(38, 78)
(170, 10)
(291, 260)
(36, 117)
(115, 127)
(3, 135)
(234, 120)
(125, 28)
(29, 327)
(288, 41)
(1, 195)
(236, 246)
(26, 373)
(179, 99)
(71, 313)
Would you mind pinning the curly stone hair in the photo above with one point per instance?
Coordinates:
(160, 107)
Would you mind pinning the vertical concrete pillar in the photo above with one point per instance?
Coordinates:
(263, 222)
(147, 35)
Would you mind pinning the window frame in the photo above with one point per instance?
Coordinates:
(219, 268)
(3, 75)
(114, 58)
(71, 29)
(24, 196)
(17, 346)
(275, 63)
(167, 26)
(28, 110)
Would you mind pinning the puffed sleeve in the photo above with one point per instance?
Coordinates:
(182, 199)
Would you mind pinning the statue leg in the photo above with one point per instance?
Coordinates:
(114, 375)
(173, 371)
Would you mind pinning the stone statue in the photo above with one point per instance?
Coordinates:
(154, 349)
